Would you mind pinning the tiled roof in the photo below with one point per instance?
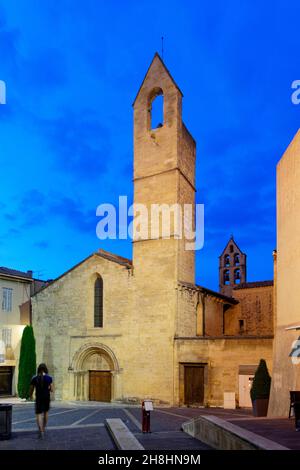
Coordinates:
(113, 257)
(15, 273)
(250, 285)
(210, 292)
(103, 254)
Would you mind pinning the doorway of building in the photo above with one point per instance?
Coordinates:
(245, 384)
(100, 385)
(6, 375)
(193, 385)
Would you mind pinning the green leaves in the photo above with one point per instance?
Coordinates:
(27, 362)
(261, 382)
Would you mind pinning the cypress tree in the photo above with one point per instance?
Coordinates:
(27, 362)
(261, 382)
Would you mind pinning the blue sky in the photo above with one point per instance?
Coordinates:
(72, 70)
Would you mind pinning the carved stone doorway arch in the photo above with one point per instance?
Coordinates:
(95, 367)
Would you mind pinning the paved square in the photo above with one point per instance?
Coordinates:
(81, 426)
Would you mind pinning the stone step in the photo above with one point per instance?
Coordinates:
(123, 438)
(222, 435)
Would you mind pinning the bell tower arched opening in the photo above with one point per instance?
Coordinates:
(156, 109)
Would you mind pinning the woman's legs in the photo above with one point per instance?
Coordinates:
(45, 420)
(42, 416)
(39, 421)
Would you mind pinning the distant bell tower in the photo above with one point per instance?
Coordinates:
(232, 268)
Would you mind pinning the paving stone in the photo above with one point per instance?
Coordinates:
(165, 426)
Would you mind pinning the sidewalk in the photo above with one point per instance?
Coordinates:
(279, 430)
(77, 426)
(81, 425)
(14, 401)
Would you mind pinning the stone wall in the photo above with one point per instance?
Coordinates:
(222, 357)
(286, 371)
(164, 169)
(256, 310)
(63, 318)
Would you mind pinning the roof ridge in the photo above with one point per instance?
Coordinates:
(209, 291)
(113, 255)
(15, 272)
(231, 239)
(167, 70)
(250, 284)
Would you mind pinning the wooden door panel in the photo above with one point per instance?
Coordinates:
(100, 385)
(193, 385)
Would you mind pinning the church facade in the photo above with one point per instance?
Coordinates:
(113, 329)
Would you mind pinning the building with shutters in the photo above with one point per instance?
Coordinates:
(16, 287)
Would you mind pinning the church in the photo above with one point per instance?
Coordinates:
(113, 329)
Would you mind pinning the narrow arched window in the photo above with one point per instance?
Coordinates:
(157, 112)
(98, 303)
(156, 108)
(236, 259)
(226, 260)
(237, 276)
(226, 277)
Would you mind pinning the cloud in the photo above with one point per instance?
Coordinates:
(222, 141)
(248, 211)
(36, 209)
(42, 244)
(45, 69)
(81, 145)
(71, 211)
(8, 45)
(31, 211)
(233, 66)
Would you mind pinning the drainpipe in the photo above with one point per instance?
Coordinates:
(203, 313)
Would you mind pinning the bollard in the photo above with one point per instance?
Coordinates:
(147, 406)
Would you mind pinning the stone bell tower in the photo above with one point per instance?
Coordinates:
(164, 173)
(232, 267)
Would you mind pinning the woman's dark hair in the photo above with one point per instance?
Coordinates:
(42, 368)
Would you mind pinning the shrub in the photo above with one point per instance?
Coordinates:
(261, 382)
(27, 362)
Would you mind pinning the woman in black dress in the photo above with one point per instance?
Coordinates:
(42, 383)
